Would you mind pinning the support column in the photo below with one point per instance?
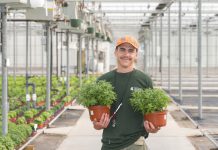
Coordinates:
(156, 57)
(80, 59)
(48, 65)
(27, 65)
(15, 46)
(93, 57)
(97, 42)
(5, 105)
(87, 57)
(145, 57)
(207, 49)
(200, 58)
(169, 51)
(68, 64)
(57, 60)
(161, 50)
(180, 51)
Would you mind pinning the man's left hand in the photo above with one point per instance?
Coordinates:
(150, 128)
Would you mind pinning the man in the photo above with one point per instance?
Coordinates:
(124, 128)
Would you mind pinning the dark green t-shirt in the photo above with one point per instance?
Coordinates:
(128, 123)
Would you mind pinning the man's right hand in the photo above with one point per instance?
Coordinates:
(103, 123)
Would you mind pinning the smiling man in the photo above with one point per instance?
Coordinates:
(125, 128)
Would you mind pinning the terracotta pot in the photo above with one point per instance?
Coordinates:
(29, 120)
(96, 112)
(158, 119)
(13, 119)
(40, 126)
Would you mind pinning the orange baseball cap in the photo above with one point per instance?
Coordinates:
(128, 39)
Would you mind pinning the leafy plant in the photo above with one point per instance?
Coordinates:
(21, 120)
(28, 114)
(6, 143)
(97, 93)
(149, 100)
(45, 115)
(39, 120)
(67, 99)
(12, 114)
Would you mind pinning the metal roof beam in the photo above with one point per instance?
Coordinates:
(158, 1)
(153, 11)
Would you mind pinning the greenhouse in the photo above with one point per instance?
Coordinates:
(54, 54)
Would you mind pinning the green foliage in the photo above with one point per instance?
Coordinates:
(97, 93)
(6, 143)
(12, 114)
(45, 115)
(67, 99)
(28, 114)
(21, 120)
(149, 100)
(39, 120)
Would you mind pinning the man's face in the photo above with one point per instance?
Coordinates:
(126, 55)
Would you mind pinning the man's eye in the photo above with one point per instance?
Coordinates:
(131, 50)
(122, 49)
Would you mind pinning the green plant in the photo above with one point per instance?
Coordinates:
(12, 114)
(149, 100)
(39, 120)
(21, 120)
(67, 99)
(28, 114)
(45, 115)
(97, 93)
(6, 143)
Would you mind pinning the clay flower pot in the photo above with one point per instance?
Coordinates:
(96, 112)
(41, 125)
(158, 119)
(13, 119)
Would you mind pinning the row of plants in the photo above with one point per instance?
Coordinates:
(19, 115)
(17, 135)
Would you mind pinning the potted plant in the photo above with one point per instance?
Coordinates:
(152, 104)
(21, 120)
(97, 97)
(12, 116)
(40, 121)
(29, 116)
(75, 22)
(90, 30)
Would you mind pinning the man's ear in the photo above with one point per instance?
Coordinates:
(115, 51)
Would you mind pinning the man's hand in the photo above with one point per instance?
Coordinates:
(149, 127)
(103, 123)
